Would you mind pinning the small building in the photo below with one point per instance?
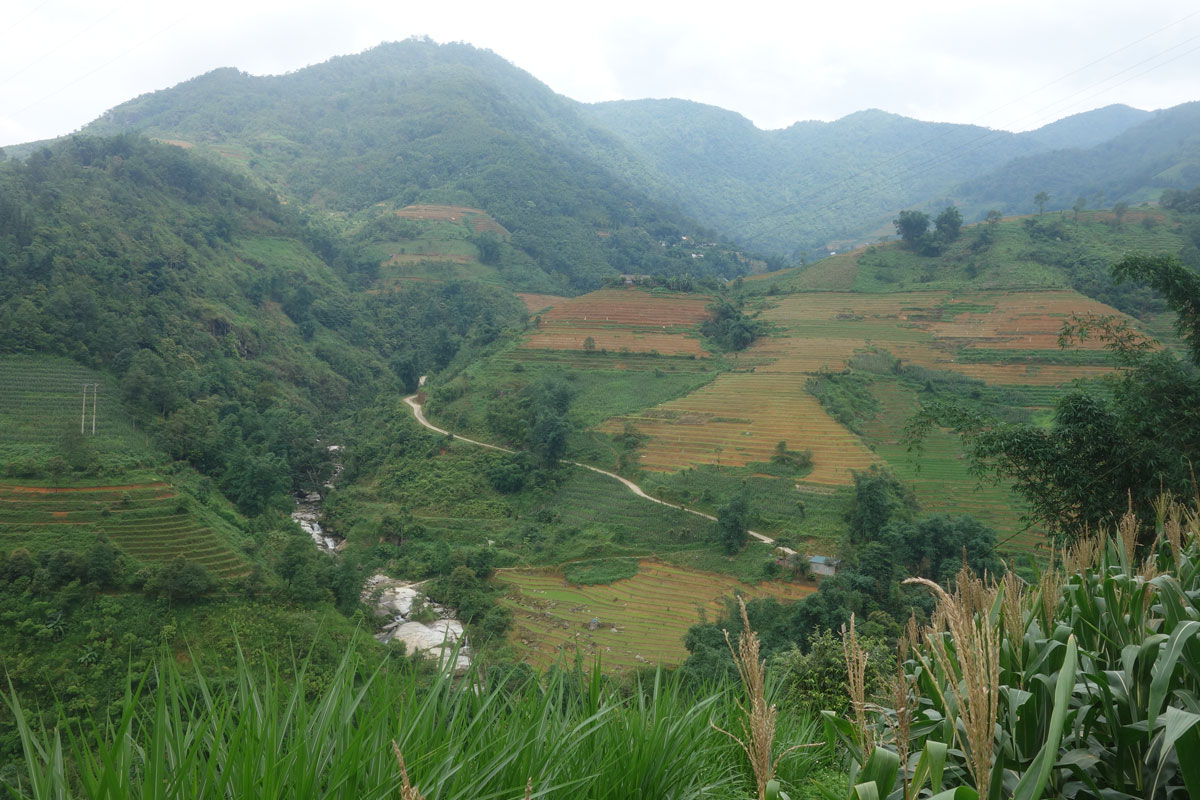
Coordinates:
(823, 565)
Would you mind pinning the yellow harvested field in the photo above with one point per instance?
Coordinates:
(823, 331)
(668, 344)
(631, 307)
(1026, 321)
(624, 319)
(640, 620)
(739, 418)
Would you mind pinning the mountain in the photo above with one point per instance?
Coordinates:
(1162, 152)
(1088, 128)
(419, 123)
(582, 192)
(816, 185)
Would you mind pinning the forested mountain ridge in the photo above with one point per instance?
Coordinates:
(813, 184)
(591, 190)
(1163, 152)
(416, 122)
(234, 325)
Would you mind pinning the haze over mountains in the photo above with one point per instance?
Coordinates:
(588, 190)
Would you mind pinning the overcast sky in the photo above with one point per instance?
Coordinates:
(1014, 65)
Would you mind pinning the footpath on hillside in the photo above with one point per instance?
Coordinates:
(415, 405)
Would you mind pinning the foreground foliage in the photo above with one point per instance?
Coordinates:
(566, 734)
(1082, 686)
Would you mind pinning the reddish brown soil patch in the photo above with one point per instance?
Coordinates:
(57, 490)
(537, 302)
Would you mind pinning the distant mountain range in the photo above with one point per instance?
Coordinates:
(589, 190)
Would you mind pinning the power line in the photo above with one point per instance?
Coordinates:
(25, 18)
(105, 64)
(46, 54)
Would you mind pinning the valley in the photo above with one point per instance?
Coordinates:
(307, 380)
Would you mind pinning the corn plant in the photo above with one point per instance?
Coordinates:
(1083, 686)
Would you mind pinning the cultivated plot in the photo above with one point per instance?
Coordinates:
(624, 320)
(145, 520)
(740, 418)
(629, 623)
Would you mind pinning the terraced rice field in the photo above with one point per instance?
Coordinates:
(1025, 321)
(739, 418)
(41, 399)
(927, 329)
(477, 219)
(624, 320)
(577, 359)
(642, 620)
(141, 519)
(939, 476)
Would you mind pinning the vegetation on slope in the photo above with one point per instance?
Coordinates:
(416, 122)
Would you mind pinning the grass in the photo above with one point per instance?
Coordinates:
(638, 620)
(179, 734)
(592, 573)
(940, 475)
(41, 401)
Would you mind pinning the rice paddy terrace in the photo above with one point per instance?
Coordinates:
(442, 250)
(628, 623)
(41, 402)
(1006, 339)
(624, 321)
(145, 520)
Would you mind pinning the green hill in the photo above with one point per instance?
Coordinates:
(1134, 167)
(817, 185)
(419, 123)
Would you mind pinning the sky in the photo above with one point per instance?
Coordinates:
(1014, 65)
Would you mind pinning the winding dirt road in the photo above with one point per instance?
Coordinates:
(411, 400)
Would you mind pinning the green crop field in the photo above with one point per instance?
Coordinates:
(939, 475)
(145, 520)
(637, 621)
(42, 399)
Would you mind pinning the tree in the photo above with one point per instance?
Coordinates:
(993, 218)
(1041, 198)
(180, 580)
(546, 403)
(733, 523)
(878, 496)
(912, 227)
(1108, 449)
(1119, 211)
(1079, 205)
(589, 345)
(948, 225)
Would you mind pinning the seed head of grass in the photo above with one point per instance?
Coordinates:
(856, 680)
(407, 790)
(758, 717)
(968, 654)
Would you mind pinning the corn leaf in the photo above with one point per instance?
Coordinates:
(1033, 782)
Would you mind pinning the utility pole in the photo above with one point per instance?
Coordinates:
(95, 391)
(83, 411)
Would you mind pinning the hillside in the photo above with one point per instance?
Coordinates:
(1133, 167)
(419, 123)
(587, 191)
(816, 185)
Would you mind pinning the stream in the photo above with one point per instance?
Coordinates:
(424, 627)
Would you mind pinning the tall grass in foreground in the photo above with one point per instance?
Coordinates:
(1086, 685)
(564, 734)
